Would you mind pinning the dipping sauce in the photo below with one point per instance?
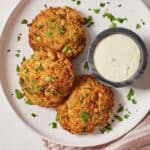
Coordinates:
(117, 57)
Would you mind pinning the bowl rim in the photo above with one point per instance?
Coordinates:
(133, 36)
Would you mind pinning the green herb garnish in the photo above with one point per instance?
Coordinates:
(28, 102)
(130, 94)
(40, 68)
(57, 117)
(48, 34)
(24, 21)
(84, 116)
(78, 2)
(96, 11)
(34, 115)
(24, 59)
(118, 117)
(120, 109)
(86, 66)
(18, 93)
(62, 29)
(109, 16)
(134, 101)
(17, 55)
(107, 128)
(49, 79)
(53, 125)
(65, 49)
(89, 21)
(102, 4)
(112, 18)
(17, 68)
(39, 88)
(19, 37)
(138, 26)
(28, 90)
(45, 5)
(126, 116)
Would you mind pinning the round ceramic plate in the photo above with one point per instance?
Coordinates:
(132, 114)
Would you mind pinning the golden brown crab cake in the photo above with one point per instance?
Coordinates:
(87, 108)
(59, 29)
(46, 78)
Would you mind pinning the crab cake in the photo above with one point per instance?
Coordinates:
(59, 29)
(87, 108)
(46, 78)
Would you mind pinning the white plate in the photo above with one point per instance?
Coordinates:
(9, 79)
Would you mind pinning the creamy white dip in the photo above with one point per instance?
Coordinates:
(117, 57)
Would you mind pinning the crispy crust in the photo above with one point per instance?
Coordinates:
(46, 78)
(88, 96)
(56, 29)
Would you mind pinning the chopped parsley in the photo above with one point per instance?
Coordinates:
(17, 53)
(96, 11)
(107, 128)
(89, 21)
(18, 93)
(19, 37)
(17, 68)
(48, 34)
(130, 94)
(62, 29)
(134, 101)
(78, 2)
(112, 18)
(138, 26)
(65, 49)
(117, 117)
(49, 79)
(84, 116)
(39, 88)
(24, 59)
(57, 117)
(126, 116)
(28, 102)
(102, 4)
(86, 66)
(39, 68)
(45, 5)
(24, 21)
(120, 108)
(28, 90)
(34, 115)
(53, 125)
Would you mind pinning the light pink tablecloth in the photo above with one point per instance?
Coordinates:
(137, 139)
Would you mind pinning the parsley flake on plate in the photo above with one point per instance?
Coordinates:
(24, 21)
(18, 93)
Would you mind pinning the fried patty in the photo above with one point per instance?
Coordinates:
(46, 78)
(59, 29)
(87, 108)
